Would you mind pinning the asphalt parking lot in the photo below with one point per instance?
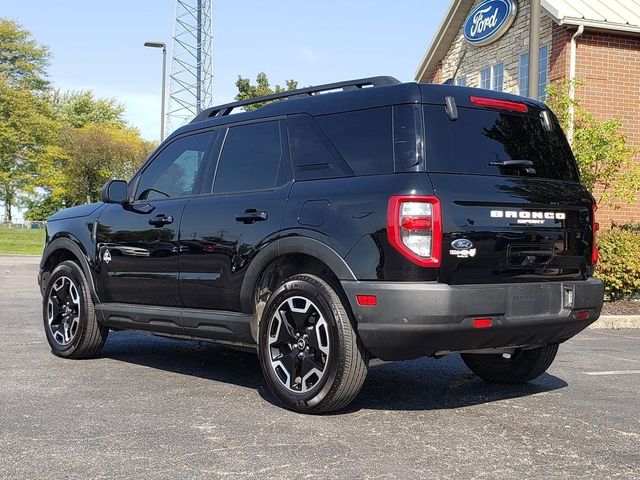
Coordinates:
(153, 408)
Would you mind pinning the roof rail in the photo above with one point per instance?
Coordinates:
(227, 108)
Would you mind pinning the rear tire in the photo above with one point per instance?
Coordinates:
(69, 317)
(310, 353)
(520, 367)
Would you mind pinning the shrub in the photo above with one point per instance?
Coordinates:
(619, 264)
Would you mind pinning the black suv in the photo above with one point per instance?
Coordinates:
(368, 219)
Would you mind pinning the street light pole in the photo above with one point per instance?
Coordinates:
(163, 46)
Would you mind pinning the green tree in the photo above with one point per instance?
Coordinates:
(26, 127)
(93, 145)
(26, 131)
(262, 87)
(604, 156)
(23, 62)
(78, 109)
(96, 153)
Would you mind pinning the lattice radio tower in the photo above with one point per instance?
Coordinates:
(191, 77)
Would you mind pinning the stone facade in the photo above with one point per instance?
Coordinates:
(464, 60)
(607, 62)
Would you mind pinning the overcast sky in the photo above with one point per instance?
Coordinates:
(98, 45)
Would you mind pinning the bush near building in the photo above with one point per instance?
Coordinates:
(619, 264)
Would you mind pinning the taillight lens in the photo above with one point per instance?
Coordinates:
(595, 227)
(414, 228)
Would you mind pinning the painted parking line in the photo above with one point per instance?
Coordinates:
(614, 372)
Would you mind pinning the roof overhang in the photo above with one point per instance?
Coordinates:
(444, 37)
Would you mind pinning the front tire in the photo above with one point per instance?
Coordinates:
(310, 353)
(519, 367)
(70, 321)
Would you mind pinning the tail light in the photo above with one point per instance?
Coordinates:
(595, 227)
(414, 228)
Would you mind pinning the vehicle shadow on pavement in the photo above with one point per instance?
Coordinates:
(429, 384)
(422, 384)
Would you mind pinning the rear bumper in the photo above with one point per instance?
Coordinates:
(412, 320)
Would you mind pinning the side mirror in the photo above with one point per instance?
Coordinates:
(115, 191)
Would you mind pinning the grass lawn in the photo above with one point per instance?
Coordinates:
(21, 241)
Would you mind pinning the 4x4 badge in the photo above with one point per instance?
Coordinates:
(106, 257)
(462, 248)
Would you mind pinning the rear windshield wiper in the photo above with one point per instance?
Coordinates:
(525, 165)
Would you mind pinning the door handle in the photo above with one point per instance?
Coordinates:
(251, 215)
(160, 220)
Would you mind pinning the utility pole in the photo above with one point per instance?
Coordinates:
(534, 47)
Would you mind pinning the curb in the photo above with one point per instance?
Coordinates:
(616, 322)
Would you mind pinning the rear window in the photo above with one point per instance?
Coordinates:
(480, 137)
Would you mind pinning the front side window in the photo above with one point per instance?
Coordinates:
(250, 158)
(176, 170)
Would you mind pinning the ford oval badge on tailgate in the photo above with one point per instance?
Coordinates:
(462, 244)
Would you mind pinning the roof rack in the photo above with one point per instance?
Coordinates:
(227, 108)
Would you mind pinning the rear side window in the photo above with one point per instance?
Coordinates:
(313, 155)
(479, 137)
(363, 138)
(250, 158)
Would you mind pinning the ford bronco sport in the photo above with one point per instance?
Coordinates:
(337, 224)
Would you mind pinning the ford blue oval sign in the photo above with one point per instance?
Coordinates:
(489, 20)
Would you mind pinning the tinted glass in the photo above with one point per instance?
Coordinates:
(363, 138)
(176, 170)
(480, 136)
(408, 138)
(250, 158)
(313, 155)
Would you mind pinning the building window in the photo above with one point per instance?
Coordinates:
(497, 77)
(543, 74)
(523, 77)
(492, 78)
(485, 78)
(461, 81)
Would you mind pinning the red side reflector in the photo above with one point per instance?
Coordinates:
(482, 322)
(582, 315)
(495, 103)
(367, 300)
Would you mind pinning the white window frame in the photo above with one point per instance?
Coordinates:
(492, 76)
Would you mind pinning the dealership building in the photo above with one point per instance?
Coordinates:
(485, 43)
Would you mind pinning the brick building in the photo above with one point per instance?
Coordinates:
(604, 37)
